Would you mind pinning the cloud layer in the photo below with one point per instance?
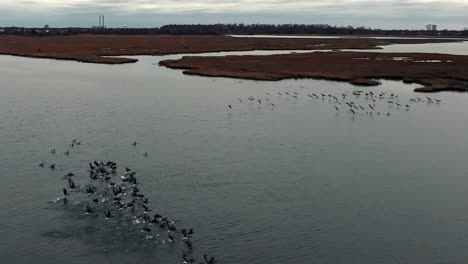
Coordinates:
(377, 13)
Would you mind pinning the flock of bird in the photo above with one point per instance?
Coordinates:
(114, 195)
(356, 102)
(74, 143)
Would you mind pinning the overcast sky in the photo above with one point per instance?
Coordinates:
(450, 14)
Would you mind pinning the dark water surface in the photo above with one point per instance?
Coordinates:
(297, 183)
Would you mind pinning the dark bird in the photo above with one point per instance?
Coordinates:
(89, 210)
(67, 152)
(156, 219)
(71, 183)
(41, 164)
(90, 190)
(260, 101)
(52, 166)
(133, 181)
(336, 108)
(230, 106)
(134, 143)
(190, 232)
(52, 151)
(209, 260)
(187, 233)
(146, 208)
(108, 214)
(146, 229)
(188, 260)
(170, 238)
(116, 190)
(65, 192)
(146, 154)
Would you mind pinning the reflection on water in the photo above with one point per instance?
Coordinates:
(455, 48)
(328, 37)
(297, 183)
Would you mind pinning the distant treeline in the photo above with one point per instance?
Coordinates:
(234, 29)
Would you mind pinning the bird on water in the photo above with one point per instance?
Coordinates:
(108, 214)
(209, 260)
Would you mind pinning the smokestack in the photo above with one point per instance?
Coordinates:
(103, 24)
(99, 20)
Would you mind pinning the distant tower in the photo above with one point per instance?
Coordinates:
(102, 23)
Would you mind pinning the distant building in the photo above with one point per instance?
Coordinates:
(46, 26)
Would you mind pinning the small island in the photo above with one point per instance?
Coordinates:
(435, 72)
(108, 49)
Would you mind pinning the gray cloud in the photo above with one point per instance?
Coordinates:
(382, 13)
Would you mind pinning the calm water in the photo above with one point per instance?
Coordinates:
(455, 48)
(326, 37)
(297, 183)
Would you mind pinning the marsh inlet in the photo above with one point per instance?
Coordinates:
(300, 183)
